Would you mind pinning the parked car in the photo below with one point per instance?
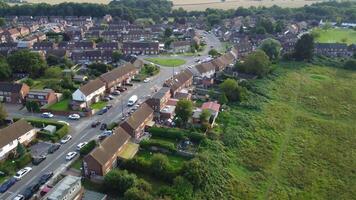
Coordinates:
(102, 137)
(19, 197)
(47, 115)
(108, 106)
(122, 89)
(103, 111)
(74, 117)
(81, 145)
(45, 177)
(7, 184)
(53, 148)
(116, 92)
(64, 122)
(66, 139)
(71, 155)
(146, 80)
(27, 193)
(37, 160)
(35, 187)
(45, 190)
(103, 126)
(95, 124)
(21, 173)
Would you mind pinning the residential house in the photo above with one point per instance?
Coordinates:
(40, 36)
(19, 132)
(111, 35)
(24, 31)
(159, 100)
(108, 46)
(137, 122)
(8, 46)
(213, 108)
(141, 48)
(13, 92)
(179, 81)
(244, 47)
(88, 93)
(118, 76)
(87, 56)
(60, 53)
(84, 45)
(180, 46)
(12, 34)
(104, 158)
(69, 188)
(42, 97)
(134, 35)
(44, 46)
(206, 70)
(332, 49)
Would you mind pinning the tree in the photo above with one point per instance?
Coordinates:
(159, 164)
(256, 63)
(53, 72)
(183, 189)
(2, 22)
(53, 60)
(205, 116)
(5, 70)
(214, 53)
(223, 99)
(213, 19)
(99, 68)
(3, 114)
(32, 106)
(279, 26)
(304, 48)
(28, 81)
(116, 56)
(168, 32)
(119, 181)
(20, 150)
(272, 48)
(25, 61)
(137, 194)
(230, 89)
(184, 110)
(350, 64)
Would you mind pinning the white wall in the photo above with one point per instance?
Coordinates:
(7, 148)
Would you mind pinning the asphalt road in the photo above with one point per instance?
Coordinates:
(81, 130)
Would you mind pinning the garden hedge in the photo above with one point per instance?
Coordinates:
(88, 148)
(175, 134)
(146, 144)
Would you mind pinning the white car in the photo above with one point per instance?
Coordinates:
(64, 122)
(21, 173)
(47, 115)
(19, 197)
(74, 116)
(71, 155)
(81, 145)
(146, 80)
(66, 139)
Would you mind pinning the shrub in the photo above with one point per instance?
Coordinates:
(146, 144)
(88, 148)
(176, 134)
(112, 125)
(23, 160)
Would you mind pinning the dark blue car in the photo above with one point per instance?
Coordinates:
(7, 184)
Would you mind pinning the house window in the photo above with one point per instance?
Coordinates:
(31, 96)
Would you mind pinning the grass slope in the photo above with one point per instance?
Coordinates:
(339, 35)
(294, 137)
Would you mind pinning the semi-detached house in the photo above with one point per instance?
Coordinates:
(19, 132)
(89, 93)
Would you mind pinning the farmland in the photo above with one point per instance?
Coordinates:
(203, 4)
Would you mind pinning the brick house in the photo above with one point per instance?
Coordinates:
(13, 92)
(205, 69)
(43, 97)
(179, 81)
(43, 46)
(159, 100)
(180, 46)
(118, 76)
(104, 157)
(108, 46)
(141, 48)
(88, 93)
(136, 123)
(332, 49)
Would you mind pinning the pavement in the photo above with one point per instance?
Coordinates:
(81, 129)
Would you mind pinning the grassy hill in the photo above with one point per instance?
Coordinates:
(340, 35)
(294, 138)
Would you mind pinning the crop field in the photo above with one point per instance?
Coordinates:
(203, 4)
(294, 138)
(340, 35)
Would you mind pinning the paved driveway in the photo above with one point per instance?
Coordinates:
(41, 148)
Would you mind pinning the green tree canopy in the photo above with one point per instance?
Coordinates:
(272, 48)
(25, 61)
(304, 48)
(53, 72)
(184, 110)
(5, 70)
(256, 63)
(3, 114)
(119, 181)
(214, 53)
(116, 56)
(204, 116)
(230, 89)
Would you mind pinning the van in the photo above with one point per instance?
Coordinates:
(132, 100)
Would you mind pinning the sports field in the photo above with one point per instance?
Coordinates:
(203, 4)
(340, 35)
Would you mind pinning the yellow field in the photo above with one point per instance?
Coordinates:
(203, 4)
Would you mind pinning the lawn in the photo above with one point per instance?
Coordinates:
(168, 62)
(129, 151)
(77, 164)
(175, 161)
(293, 138)
(98, 105)
(339, 35)
(62, 105)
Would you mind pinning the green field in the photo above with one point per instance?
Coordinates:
(168, 62)
(294, 137)
(335, 35)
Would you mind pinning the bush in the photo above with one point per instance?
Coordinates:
(23, 161)
(112, 125)
(88, 148)
(146, 144)
(176, 134)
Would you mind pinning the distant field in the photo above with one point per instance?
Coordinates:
(335, 35)
(203, 4)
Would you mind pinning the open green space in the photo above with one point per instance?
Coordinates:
(293, 138)
(168, 62)
(62, 105)
(77, 164)
(335, 35)
(175, 161)
(98, 105)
